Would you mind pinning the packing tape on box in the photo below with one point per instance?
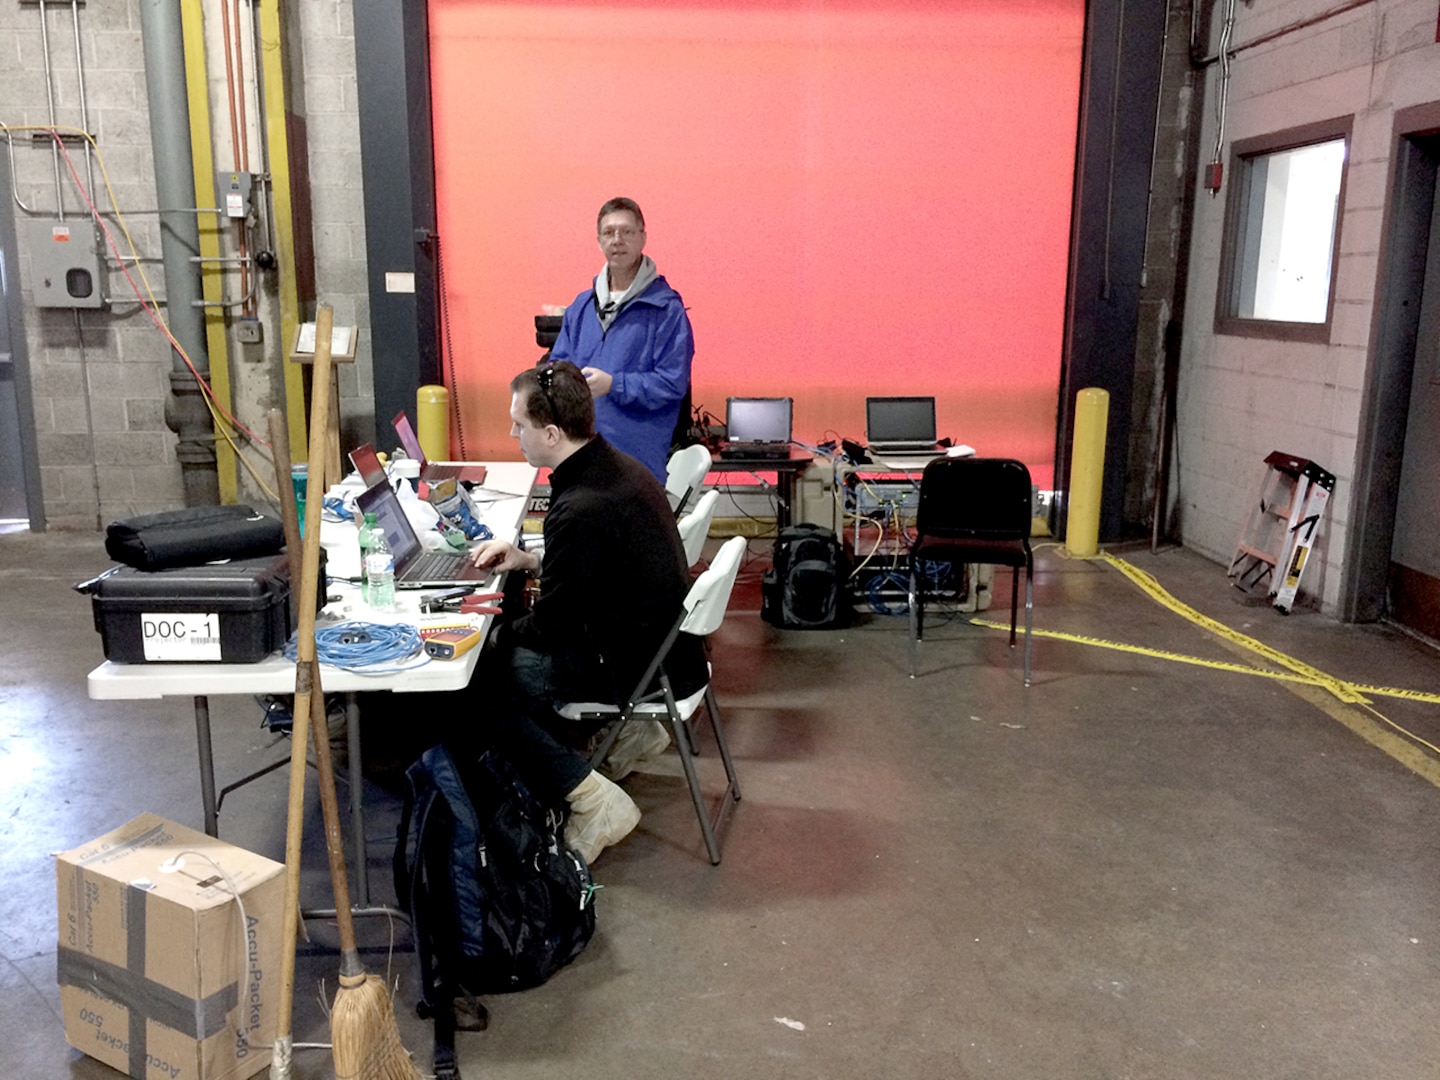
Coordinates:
(144, 999)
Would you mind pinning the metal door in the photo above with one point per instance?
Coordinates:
(1415, 552)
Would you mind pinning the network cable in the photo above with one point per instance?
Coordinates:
(366, 648)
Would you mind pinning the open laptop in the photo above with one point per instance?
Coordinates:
(431, 471)
(757, 428)
(367, 464)
(416, 568)
(901, 426)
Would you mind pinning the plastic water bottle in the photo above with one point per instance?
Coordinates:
(380, 572)
(368, 528)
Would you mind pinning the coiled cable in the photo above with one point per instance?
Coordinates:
(366, 648)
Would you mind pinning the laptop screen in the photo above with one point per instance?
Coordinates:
(899, 420)
(408, 438)
(382, 501)
(757, 420)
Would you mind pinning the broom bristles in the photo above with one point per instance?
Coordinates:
(363, 1035)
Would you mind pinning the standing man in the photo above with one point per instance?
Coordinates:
(613, 581)
(630, 336)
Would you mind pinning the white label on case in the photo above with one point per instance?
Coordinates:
(182, 636)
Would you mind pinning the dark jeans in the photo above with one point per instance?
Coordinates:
(514, 694)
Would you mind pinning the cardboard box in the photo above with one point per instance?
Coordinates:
(155, 978)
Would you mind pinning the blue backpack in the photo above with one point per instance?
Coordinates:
(497, 901)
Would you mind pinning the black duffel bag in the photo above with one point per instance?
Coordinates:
(192, 536)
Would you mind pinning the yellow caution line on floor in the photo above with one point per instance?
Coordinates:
(1220, 665)
(1309, 683)
(1159, 654)
(1147, 584)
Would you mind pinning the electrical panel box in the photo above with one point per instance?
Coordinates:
(235, 188)
(66, 270)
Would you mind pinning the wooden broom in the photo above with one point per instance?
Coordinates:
(364, 1038)
(280, 1058)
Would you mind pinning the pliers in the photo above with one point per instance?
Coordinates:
(472, 604)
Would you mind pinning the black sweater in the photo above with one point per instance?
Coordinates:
(613, 577)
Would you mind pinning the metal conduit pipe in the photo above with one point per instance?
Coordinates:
(186, 412)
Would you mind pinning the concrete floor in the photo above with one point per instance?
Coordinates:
(1135, 868)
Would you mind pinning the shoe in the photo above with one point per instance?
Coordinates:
(470, 1015)
(639, 741)
(601, 814)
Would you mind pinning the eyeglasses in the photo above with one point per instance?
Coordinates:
(546, 378)
(623, 232)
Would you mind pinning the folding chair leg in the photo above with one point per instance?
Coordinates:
(915, 601)
(1029, 611)
(602, 751)
(732, 790)
(724, 747)
(1014, 598)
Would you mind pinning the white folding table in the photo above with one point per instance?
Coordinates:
(502, 501)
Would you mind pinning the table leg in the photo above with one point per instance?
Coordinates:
(357, 799)
(785, 513)
(207, 765)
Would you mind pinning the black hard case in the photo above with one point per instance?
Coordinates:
(251, 596)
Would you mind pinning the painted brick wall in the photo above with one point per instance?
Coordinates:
(1240, 398)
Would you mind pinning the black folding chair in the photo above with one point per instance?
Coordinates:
(973, 510)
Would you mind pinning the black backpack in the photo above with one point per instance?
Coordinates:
(497, 901)
(807, 586)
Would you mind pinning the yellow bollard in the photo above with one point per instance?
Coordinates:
(1087, 472)
(432, 422)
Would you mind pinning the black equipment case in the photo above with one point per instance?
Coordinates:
(231, 613)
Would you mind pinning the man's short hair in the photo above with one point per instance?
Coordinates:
(620, 203)
(557, 394)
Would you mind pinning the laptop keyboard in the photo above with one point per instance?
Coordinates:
(435, 565)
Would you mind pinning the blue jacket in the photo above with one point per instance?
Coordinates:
(647, 351)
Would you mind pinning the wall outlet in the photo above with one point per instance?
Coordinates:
(249, 330)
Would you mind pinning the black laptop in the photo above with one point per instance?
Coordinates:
(901, 426)
(757, 428)
(416, 568)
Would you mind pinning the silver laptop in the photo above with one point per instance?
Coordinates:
(416, 568)
(901, 426)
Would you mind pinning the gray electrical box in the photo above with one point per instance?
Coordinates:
(235, 189)
(66, 270)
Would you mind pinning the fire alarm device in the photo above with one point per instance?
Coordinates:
(448, 644)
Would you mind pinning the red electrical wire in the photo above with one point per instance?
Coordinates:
(149, 309)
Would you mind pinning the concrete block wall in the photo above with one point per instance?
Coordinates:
(327, 41)
(1239, 398)
(100, 378)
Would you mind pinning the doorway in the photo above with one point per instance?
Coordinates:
(20, 502)
(1396, 562)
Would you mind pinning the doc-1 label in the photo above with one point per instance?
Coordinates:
(182, 636)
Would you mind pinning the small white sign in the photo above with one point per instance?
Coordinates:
(397, 282)
(339, 340)
(181, 636)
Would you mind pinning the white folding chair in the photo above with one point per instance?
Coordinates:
(703, 612)
(685, 473)
(695, 526)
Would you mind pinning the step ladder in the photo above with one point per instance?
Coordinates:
(1282, 527)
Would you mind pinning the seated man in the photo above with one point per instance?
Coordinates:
(613, 580)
